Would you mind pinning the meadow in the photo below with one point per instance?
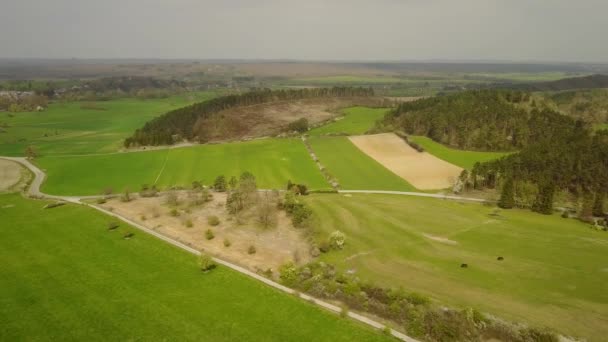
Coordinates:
(84, 127)
(353, 168)
(356, 120)
(272, 161)
(66, 277)
(464, 159)
(553, 273)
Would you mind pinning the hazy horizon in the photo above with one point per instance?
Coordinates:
(516, 31)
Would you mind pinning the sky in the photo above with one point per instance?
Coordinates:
(506, 30)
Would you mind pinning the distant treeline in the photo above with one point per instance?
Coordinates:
(557, 154)
(584, 82)
(182, 123)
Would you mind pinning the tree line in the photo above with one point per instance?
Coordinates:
(180, 124)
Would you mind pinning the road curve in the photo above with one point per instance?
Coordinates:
(34, 190)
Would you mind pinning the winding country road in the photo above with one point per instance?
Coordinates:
(34, 190)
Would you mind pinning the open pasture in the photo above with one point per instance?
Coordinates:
(464, 159)
(356, 120)
(272, 161)
(422, 170)
(83, 127)
(353, 169)
(66, 277)
(553, 274)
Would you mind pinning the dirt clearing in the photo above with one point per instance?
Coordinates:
(422, 170)
(10, 174)
(274, 245)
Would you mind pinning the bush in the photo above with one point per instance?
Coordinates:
(128, 235)
(188, 223)
(100, 200)
(344, 311)
(227, 243)
(209, 234)
(113, 225)
(300, 125)
(206, 263)
(171, 198)
(213, 220)
(300, 215)
(337, 240)
(147, 191)
(288, 273)
(251, 249)
(220, 184)
(174, 212)
(126, 196)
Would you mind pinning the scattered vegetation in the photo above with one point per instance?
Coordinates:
(206, 263)
(209, 234)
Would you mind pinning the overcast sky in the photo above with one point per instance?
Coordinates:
(523, 30)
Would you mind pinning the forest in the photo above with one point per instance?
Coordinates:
(556, 153)
(181, 123)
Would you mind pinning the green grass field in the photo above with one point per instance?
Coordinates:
(75, 128)
(65, 277)
(272, 161)
(601, 126)
(464, 159)
(353, 168)
(554, 271)
(356, 120)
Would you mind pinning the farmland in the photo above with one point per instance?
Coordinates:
(83, 127)
(464, 159)
(356, 120)
(354, 169)
(272, 161)
(422, 170)
(72, 279)
(552, 273)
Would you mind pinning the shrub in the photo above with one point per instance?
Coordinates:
(143, 217)
(300, 125)
(213, 220)
(100, 200)
(128, 235)
(206, 263)
(174, 212)
(227, 243)
(219, 184)
(113, 225)
(188, 223)
(337, 240)
(344, 311)
(126, 196)
(209, 234)
(147, 191)
(251, 249)
(171, 198)
(417, 299)
(300, 215)
(288, 273)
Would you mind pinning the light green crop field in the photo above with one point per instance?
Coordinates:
(464, 159)
(356, 120)
(353, 168)
(82, 127)
(65, 277)
(601, 126)
(272, 161)
(554, 271)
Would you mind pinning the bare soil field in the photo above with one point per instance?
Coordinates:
(274, 246)
(422, 170)
(272, 118)
(10, 174)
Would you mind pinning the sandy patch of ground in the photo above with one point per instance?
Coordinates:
(10, 174)
(274, 246)
(422, 170)
(440, 239)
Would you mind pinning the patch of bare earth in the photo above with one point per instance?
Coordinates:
(421, 169)
(10, 174)
(440, 239)
(274, 245)
(273, 118)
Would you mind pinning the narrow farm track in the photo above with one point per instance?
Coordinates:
(34, 190)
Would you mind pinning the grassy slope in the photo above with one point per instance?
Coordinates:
(554, 273)
(353, 168)
(71, 129)
(272, 161)
(357, 120)
(65, 277)
(464, 159)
